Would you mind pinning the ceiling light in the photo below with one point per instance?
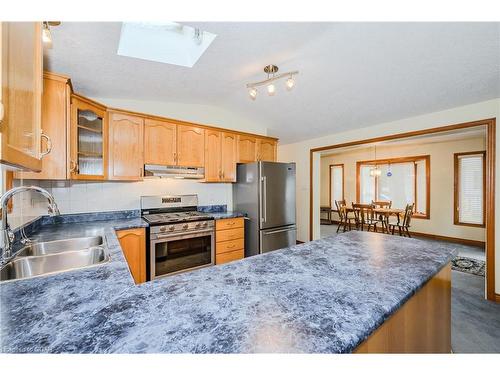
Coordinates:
(269, 82)
(46, 36)
(253, 93)
(271, 89)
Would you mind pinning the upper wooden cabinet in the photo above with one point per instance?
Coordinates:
(213, 156)
(126, 158)
(88, 140)
(190, 146)
(252, 149)
(229, 155)
(220, 156)
(55, 124)
(21, 94)
(160, 142)
(266, 150)
(247, 149)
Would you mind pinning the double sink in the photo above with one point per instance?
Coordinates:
(44, 258)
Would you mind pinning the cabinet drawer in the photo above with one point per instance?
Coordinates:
(229, 257)
(229, 223)
(229, 234)
(224, 247)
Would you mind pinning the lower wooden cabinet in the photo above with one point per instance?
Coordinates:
(133, 243)
(230, 240)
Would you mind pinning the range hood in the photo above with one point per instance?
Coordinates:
(173, 171)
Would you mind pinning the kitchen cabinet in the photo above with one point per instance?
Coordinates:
(88, 140)
(229, 152)
(230, 240)
(133, 244)
(160, 142)
(190, 146)
(266, 150)
(213, 155)
(21, 95)
(247, 149)
(220, 156)
(55, 124)
(126, 157)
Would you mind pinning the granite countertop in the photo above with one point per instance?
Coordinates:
(324, 296)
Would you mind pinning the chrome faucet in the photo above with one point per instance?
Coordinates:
(7, 233)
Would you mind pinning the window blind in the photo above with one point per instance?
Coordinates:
(470, 192)
(336, 184)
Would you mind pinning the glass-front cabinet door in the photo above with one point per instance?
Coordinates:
(88, 154)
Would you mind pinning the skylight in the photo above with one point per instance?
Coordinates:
(165, 42)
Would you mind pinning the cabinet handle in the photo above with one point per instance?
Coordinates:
(231, 246)
(49, 144)
(175, 156)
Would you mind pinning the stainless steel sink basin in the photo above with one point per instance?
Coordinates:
(22, 267)
(59, 246)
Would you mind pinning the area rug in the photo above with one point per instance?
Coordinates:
(468, 265)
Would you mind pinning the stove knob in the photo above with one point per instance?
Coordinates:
(205, 224)
(198, 225)
(185, 226)
(171, 228)
(163, 229)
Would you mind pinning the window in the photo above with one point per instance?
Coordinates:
(336, 183)
(402, 181)
(470, 188)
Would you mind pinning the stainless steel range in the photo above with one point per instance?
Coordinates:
(180, 237)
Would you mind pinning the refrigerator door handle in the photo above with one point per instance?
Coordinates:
(264, 199)
(279, 231)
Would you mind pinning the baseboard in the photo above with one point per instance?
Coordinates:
(497, 298)
(462, 241)
(299, 242)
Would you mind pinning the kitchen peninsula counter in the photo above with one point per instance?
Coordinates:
(325, 296)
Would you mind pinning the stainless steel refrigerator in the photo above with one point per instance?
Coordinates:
(265, 191)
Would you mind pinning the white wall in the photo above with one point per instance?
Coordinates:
(299, 153)
(441, 181)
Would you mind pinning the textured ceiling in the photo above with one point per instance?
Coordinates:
(352, 75)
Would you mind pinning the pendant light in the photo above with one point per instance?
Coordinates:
(375, 172)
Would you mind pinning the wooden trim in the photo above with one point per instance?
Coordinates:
(456, 188)
(58, 77)
(497, 298)
(9, 184)
(490, 208)
(462, 241)
(490, 124)
(330, 183)
(405, 159)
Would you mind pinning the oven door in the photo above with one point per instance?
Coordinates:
(174, 253)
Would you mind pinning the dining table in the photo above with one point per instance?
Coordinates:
(384, 214)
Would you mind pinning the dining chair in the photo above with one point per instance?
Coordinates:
(345, 217)
(403, 227)
(364, 215)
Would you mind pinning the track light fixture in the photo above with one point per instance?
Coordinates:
(271, 71)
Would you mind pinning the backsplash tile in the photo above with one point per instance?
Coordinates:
(93, 196)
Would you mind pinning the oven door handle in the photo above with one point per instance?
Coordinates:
(191, 234)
